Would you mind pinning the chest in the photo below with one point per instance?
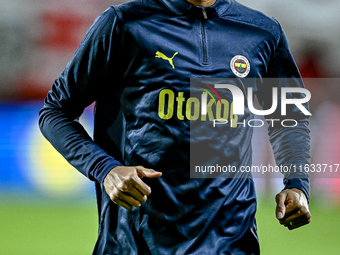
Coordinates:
(181, 48)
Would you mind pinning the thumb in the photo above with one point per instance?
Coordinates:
(147, 172)
(280, 205)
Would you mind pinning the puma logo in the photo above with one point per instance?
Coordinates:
(161, 55)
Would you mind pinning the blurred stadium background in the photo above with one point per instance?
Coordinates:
(46, 207)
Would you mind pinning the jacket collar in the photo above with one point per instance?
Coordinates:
(183, 7)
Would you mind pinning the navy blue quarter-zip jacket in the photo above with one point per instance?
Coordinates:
(136, 62)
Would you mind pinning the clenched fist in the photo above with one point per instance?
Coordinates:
(292, 208)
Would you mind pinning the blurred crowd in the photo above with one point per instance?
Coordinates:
(38, 37)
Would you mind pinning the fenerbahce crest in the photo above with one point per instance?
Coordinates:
(240, 66)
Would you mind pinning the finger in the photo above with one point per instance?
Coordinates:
(141, 186)
(298, 224)
(280, 205)
(292, 208)
(302, 214)
(122, 203)
(294, 221)
(137, 195)
(128, 199)
(147, 172)
(293, 217)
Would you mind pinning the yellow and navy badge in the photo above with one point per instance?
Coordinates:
(240, 66)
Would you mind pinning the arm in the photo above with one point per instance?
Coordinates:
(75, 89)
(291, 145)
(86, 76)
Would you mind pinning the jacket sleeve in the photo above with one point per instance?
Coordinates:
(77, 87)
(291, 145)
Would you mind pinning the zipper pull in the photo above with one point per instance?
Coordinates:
(205, 16)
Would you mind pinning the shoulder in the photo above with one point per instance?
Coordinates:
(138, 10)
(246, 15)
(117, 16)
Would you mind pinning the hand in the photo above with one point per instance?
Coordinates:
(125, 187)
(292, 208)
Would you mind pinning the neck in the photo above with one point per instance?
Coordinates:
(202, 3)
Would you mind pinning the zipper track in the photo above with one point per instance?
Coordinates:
(204, 38)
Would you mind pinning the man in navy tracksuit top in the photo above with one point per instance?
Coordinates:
(136, 62)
